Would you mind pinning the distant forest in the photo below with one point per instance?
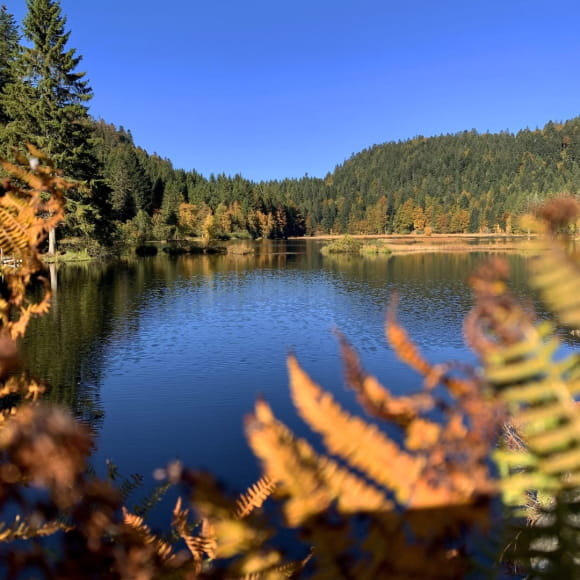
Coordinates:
(466, 182)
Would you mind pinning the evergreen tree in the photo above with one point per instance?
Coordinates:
(46, 104)
(9, 39)
(46, 101)
(130, 186)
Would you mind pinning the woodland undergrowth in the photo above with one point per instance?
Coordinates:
(474, 474)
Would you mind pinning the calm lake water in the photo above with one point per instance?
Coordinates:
(164, 356)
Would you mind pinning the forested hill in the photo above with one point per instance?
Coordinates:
(453, 183)
(467, 182)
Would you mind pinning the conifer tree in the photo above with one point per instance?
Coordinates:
(46, 104)
(130, 187)
(47, 98)
(9, 39)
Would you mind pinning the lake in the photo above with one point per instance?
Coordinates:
(163, 356)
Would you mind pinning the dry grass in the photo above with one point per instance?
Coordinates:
(447, 243)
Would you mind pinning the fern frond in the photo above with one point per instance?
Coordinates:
(408, 352)
(136, 523)
(375, 399)
(13, 234)
(521, 363)
(556, 275)
(24, 530)
(311, 482)
(230, 535)
(151, 499)
(401, 343)
(254, 497)
(267, 565)
(27, 213)
(357, 442)
(201, 546)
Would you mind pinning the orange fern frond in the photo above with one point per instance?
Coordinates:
(136, 523)
(27, 213)
(375, 399)
(444, 469)
(254, 497)
(23, 530)
(273, 571)
(200, 546)
(358, 442)
(409, 353)
(403, 346)
(312, 482)
(223, 535)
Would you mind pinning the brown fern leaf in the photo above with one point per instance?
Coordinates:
(136, 523)
(403, 346)
(290, 569)
(254, 497)
(228, 535)
(497, 318)
(376, 399)
(34, 214)
(27, 213)
(14, 390)
(275, 571)
(13, 235)
(426, 479)
(203, 545)
(23, 530)
(351, 492)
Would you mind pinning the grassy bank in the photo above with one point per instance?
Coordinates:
(405, 244)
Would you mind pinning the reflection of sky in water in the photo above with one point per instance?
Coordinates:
(180, 381)
(184, 363)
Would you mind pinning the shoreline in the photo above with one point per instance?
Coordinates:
(443, 243)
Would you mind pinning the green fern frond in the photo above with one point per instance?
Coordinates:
(555, 273)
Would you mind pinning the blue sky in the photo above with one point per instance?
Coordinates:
(279, 88)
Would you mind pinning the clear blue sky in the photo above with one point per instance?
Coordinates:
(280, 88)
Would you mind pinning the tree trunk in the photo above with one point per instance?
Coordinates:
(52, 242)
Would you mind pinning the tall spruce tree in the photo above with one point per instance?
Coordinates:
(46, 104)
(9, 39)
(47, 99)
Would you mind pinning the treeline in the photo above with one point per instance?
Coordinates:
(467, 182)
(150, 199)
